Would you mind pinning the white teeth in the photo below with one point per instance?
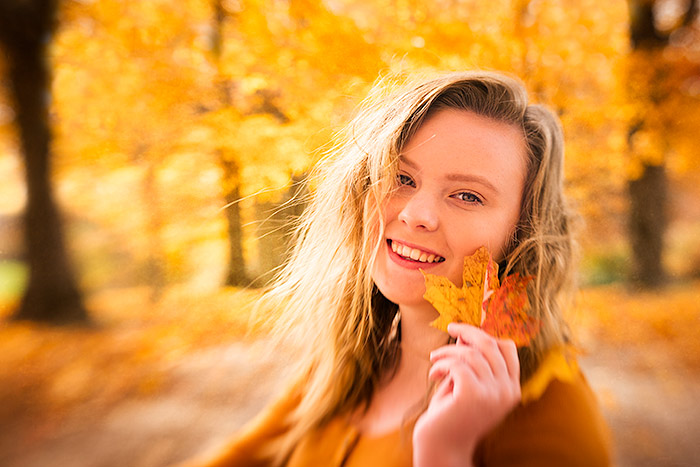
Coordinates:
(414, 254)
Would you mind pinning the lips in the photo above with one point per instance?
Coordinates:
(414, 254)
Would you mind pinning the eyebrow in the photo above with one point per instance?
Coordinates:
(456, 177)
(472, 178)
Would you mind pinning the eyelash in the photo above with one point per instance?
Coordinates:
(464, 196)
(404, 179)
(473, 199)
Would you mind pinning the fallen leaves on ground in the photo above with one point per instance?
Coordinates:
(50, 371)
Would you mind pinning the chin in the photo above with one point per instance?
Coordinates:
(400, 288)
(406, 298)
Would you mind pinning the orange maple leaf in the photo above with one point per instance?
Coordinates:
(506, 312)
(500, 310)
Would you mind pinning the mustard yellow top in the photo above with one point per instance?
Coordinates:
(562, 427)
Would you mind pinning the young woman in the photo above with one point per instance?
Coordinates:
(422, 178)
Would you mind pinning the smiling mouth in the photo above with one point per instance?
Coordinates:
(414, 254)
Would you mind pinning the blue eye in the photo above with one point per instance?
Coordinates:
(468, 197)
(404, 179)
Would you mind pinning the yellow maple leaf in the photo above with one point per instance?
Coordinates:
(461, 304)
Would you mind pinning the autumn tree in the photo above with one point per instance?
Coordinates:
(216, 105)
(228, 157)
(650, 79)
(280, 68)
(52, 294)
(130, 81)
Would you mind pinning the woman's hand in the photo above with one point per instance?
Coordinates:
(478, 384)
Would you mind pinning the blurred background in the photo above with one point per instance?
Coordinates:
(148, 151)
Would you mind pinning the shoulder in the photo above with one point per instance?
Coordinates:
(564, 426)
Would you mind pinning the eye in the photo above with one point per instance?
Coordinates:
(405, 180)
(468, 197)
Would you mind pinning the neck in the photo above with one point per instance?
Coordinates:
(418, 338)
(401, 395)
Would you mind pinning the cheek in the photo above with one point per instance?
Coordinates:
(374, 221)
(495, 232)
(380, 277)
(390, 209)
(505, 241)
(505, 245)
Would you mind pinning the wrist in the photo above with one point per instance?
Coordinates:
(442, 459)
(433, 453)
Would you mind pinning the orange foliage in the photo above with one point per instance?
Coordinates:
(659, 326)
(144, 104)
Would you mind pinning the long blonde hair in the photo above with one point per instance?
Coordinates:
(325, 292)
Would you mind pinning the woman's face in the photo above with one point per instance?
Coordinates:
(460, 187)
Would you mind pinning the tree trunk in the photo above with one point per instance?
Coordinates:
(647, 216)
(647, 225)
(275, 222)
(236, 274)
(156, 261)
(52, 294)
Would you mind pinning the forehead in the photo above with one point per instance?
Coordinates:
(450, 123)
(463, 142)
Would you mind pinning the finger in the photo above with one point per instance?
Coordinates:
(442, 393)
(443, 369)
(465, 334)
(499, 366)
(444, 388)
(471, 358)
(447, 351)
(442, 384)
(446, 370)
(468, 356)
(510, 357)
(464, 381)
(471, 336)
(438, 371)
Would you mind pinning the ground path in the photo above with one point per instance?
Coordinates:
(209, 395)
(651, 407)
(654, 412)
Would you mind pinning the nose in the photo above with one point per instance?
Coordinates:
(419, 212)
